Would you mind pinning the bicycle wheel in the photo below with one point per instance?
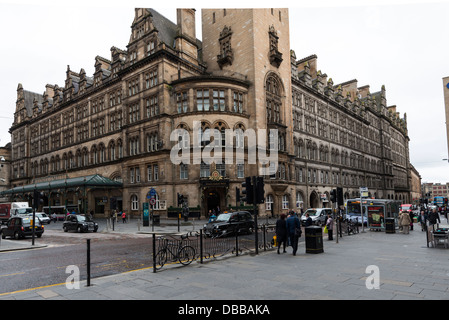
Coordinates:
(186, 255)
(161, 258)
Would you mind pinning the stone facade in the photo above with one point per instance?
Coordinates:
(242, 75)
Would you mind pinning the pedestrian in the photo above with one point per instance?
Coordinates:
(54, 217)
(293, 231)
(422, 220)
(212, 216)
(308, 220)
(281, 232)
(405, 222)
(330, 227)
(123, 217)
(411, 220)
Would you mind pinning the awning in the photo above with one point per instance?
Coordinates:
(86, 182)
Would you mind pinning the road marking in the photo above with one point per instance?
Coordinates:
(31, 289)
(12, 274)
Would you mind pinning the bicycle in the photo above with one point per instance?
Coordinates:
(185, 254)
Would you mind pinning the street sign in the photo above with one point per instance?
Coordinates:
(152, 201)
(152, 192)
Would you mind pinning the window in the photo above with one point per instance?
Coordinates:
(183, 171)
(269, 203)
(240, 170)
(202, 100)
(238, 102)
(273, 99)
(134, 112)
(204, 170)
(285, 201)
(134, 174)
(152, 107)
(134, 202)
(151, 79)
(152, 172)
(218, 100)
(182, 102)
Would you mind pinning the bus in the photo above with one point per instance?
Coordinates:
(374, 211)
(440, 201)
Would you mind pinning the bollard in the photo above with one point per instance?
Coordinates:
(201, 246)
(88, 262)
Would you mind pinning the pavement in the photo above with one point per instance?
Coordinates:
(366, 266)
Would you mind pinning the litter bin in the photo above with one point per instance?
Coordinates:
(389, 225)
(314, 239)
(156, 220)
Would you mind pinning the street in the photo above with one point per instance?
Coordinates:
(46, 266)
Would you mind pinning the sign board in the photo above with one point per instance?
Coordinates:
(152, 192)
(152, 201)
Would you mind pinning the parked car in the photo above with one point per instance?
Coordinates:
(43, 217)
(80, 223)
(318, 215)
(230, 223)
(21, 226)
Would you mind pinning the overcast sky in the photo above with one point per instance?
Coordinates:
(400, 44)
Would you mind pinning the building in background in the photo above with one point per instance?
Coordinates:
(242, 75)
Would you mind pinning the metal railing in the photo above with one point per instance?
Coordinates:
(196, 246)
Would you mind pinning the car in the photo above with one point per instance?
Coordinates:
(80, 223)
(21, 226)
(230, 223)
(43, 217)
(318, 215)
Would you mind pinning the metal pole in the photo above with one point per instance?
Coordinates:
(33, 226)
(154, 253)
(201, 246)
(88, 262)
(361, 212)
(255, 214)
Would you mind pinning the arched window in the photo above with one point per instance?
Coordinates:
(273, 99)
(134, 202)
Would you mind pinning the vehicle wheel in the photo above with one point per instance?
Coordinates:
(39, 235)
(65, 229)
(186, 255)
(3, 236)
(80, 230)
(161, 258)
(16, 235)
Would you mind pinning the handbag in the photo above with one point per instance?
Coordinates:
(325, 229)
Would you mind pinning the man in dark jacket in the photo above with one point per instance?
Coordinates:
(293, 231)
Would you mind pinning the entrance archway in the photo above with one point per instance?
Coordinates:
(314, 200)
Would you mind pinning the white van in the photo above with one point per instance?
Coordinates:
(318, 215)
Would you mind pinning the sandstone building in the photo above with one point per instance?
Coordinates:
(241, 75)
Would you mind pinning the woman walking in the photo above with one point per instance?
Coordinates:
(281, 232)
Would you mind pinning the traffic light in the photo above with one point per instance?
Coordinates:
(333, 195)
(247, 191)
(180, 199)
(237, 195)
(260, 190)
(340, 199)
